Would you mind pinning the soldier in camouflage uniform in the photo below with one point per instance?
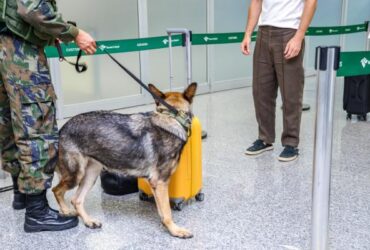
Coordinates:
(28, 128)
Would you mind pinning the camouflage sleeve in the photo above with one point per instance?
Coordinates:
(43, 16)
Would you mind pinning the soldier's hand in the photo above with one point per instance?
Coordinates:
(85, 42)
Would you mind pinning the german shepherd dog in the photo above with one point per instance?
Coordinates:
(144, 145)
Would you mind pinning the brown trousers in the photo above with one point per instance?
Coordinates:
(270, 71)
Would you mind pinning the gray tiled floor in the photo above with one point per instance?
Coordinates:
(250, 202)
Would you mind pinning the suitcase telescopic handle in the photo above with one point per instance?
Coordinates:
(186, 42)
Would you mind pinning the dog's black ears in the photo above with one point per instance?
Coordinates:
(157, 92)
(189, 92)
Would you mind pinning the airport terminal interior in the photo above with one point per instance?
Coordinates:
(250, 202)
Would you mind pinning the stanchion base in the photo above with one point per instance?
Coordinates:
(204, 134)
(306, 107)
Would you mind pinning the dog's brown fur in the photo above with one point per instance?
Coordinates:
(141, 145)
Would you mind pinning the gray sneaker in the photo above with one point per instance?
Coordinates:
(289, 154)
(258, 147)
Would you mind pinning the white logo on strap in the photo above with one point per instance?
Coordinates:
(206, 39)
(365, 62)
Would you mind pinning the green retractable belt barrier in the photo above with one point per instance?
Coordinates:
(141, 44)
(336, 30)
(352, 63)
(219, 38)
(118, 46)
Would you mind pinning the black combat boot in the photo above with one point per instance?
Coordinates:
(19, 201)
(40, 217)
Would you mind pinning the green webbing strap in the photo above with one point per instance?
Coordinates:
(219, 38)
(336, 30)
(141, 44)
(119, 46)
(354, 63)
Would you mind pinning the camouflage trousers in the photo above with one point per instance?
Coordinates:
(28, 128)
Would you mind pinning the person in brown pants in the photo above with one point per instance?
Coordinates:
(278, 63)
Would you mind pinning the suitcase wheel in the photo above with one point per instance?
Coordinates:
(204, 134)
(143, 196)
(362, 117)
(178, 206)
(199, 197)
(306, 107)
(349, 116)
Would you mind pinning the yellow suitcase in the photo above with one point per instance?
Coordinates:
(186, 182)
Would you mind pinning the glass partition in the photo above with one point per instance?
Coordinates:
(190, 14)
(115, 19)
(358, 12)
(229, 62)
(322, 19)
(228, 68)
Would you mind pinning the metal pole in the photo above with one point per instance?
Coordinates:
(142, 10)
(344, 18)
(188, 57)
(210, 49)
(171, 62)
(327, 62)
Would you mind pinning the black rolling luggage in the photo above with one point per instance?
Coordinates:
(116, 184)
(356, 96)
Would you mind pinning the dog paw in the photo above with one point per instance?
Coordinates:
(181, 233)
(93, 224)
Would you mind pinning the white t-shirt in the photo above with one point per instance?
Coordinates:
(281, 13)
